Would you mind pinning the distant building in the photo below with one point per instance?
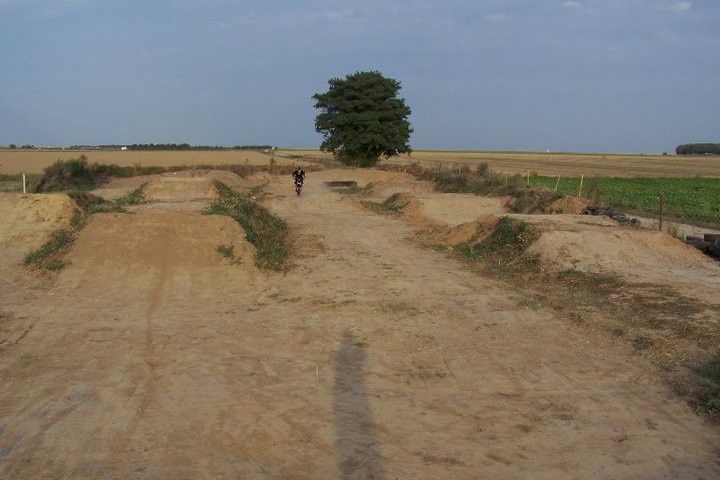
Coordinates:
(123, 148)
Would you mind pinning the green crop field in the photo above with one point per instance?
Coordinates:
(693, 200)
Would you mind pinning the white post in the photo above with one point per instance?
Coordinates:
(24, 189)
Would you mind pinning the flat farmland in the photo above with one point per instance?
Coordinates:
(34, 161)
(566, 164)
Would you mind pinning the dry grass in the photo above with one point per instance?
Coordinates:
(35, 161)
(566, 164)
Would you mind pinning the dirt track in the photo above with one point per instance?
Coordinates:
(153, 357)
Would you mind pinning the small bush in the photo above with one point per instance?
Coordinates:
(227, 251)
(508, 241)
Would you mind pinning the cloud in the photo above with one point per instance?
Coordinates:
(572, 4)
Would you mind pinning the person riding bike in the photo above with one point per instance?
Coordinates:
(299, 176)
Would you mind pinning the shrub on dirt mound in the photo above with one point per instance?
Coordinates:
(75, 174)
(507, 241)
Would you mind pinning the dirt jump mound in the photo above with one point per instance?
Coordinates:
(180, 189)
(159, 239)
(26, 221)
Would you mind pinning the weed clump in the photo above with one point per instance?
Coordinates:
(227, 251)
(268, 233)
(89, 204)
(47, 255)
(707, 401)
(135, 197)
(508, 241)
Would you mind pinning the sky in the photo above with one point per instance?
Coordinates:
(576, 75)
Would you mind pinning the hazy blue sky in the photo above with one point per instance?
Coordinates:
(590, 75)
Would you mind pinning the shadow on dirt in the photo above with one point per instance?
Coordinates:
(357, 445)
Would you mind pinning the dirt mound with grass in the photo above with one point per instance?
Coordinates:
(459, 208)
(150, 239)
(600, 245)
(26, 221)
(640, 255)
(568, 205)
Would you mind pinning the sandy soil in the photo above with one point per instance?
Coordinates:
(27, 220)
(154, 357)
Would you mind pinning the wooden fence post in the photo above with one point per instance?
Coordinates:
(24, 189)
(582, 178)
(662, 207)
(557, 184)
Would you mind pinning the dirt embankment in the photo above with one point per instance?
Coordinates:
(26, 221)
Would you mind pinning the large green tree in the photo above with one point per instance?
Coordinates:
(362, 119)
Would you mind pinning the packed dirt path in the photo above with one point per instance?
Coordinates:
(373, 357)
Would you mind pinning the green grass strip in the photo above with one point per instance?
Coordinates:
(694, 200)
(268, 233)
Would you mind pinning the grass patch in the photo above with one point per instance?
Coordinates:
(708, 401)
(268, 233)
(695, 200)
(13, 183)
(135, 197)
(508, 241)
(228, 251)
(391, 206)
(46, 255)
(90, 204)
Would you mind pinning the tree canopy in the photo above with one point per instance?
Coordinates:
(698, 149)
(362, 119)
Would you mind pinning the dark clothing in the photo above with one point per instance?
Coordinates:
(299, 175)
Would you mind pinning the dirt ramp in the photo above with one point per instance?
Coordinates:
(458, 208)
(599, 245)
(640, 255)
(26, 221)
(159, 239)
(179, 188)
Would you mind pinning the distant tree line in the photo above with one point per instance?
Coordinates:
(170, 146)
(698, 149)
